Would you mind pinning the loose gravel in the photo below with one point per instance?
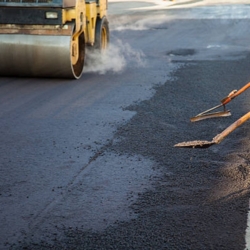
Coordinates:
(200, 200)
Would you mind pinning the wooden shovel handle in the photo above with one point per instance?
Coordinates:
(233, 94)
(218, 138)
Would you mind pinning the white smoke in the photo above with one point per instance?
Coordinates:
(122, 24)
(114, 59)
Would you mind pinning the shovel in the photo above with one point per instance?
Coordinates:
(218, 138)
(207, 114)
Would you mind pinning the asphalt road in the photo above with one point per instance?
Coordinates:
(90, 164)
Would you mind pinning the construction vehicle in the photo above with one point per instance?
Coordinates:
(48, 38)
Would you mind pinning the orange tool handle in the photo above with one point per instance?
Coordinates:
(218, 138)
(235, 93)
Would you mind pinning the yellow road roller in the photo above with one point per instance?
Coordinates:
(48, 38)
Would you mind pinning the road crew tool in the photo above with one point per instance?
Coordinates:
(218, 138)
(47, 38)
(204, 115)
(207, 114)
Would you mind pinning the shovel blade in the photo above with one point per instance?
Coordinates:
(211, 115)
(194, 144)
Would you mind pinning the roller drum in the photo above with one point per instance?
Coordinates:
(37, 56)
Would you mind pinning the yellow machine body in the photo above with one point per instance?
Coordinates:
(50, 40)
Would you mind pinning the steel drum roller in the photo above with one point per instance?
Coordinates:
(36, 55)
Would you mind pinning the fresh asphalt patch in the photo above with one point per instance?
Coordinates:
(200, 200)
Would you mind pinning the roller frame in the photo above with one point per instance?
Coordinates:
(32, 47)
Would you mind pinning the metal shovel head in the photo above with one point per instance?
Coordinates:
(194, 144)
(210, 115)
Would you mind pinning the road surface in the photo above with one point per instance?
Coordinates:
(90, 164)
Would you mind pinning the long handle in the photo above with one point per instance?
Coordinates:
(233, 94)
(218, 138)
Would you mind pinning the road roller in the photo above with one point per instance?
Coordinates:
(48, 38)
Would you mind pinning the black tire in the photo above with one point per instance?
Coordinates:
(101, 34)
(78, 67)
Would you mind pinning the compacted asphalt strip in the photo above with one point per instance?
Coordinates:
(100, 170)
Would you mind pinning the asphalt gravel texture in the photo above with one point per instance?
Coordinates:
(201, 198)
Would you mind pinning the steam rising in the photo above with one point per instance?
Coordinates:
(142, 24)
(114, 59)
